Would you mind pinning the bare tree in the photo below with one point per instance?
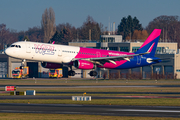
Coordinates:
(90, 25)
(168, 24)
(6, 36)
(48, 24)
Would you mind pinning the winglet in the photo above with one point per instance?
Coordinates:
(53, 42)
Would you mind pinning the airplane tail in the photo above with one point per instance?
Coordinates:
(150, 44)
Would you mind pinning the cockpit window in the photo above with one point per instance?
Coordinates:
(17, 46)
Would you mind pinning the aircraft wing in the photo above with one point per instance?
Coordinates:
(111, 59)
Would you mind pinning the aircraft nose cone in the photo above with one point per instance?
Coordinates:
(7, 51)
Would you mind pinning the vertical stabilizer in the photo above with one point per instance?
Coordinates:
(151, 42)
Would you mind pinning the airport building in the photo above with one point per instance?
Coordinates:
(167, 69)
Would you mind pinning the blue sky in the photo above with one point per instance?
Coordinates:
(23, 14)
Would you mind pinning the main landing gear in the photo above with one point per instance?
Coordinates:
(93, 73)
(71, 72)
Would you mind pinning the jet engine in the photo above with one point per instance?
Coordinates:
(51, 65)
(83, 64)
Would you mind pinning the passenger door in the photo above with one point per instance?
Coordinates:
(59, 51)
(98, 54)
(28, 48)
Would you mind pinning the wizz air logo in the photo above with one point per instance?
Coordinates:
(44, 49)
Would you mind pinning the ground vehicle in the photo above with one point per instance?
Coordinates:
(20, 73)
(55, 73)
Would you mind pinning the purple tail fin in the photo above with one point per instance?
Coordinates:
(151, 42)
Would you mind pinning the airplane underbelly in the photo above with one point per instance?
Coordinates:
(40, 57)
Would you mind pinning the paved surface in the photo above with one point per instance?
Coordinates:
(147, 111)
(84, 86)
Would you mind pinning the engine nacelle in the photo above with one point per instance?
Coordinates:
(83, 64)
(51, 65)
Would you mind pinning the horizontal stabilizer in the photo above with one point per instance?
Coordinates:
(162, 59)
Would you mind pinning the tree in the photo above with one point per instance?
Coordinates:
(56, 37)
(136, 24)
(122, 28)
(62, 37)
(48, 24)
(90, 30)
(127, 26)
(168, 24)
(6, 36)
(130, 25)
(140, 35)
(35, 34)
(26, 38)
(72, 30)
(3, 33)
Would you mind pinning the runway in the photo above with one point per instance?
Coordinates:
(85, 86)
(145, 111)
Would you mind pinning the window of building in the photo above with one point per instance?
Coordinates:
(107, 39)
(159, 50)
(134, 49)
(125, 49)
(113, 48)
(105, 48)
(111, 39)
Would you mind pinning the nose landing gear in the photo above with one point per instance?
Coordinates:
(22, 64)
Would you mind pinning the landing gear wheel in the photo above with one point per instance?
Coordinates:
(21, 67)
(71, 73)
(93, 73)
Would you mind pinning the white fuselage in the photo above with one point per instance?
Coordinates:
(42, 52)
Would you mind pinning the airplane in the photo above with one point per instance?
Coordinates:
(55, 56)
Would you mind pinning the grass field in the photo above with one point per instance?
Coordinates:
(85, 82)
(28, 116)
(134, 102)
(162, 91)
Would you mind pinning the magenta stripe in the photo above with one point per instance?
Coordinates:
(150, 49)
(152, 36)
